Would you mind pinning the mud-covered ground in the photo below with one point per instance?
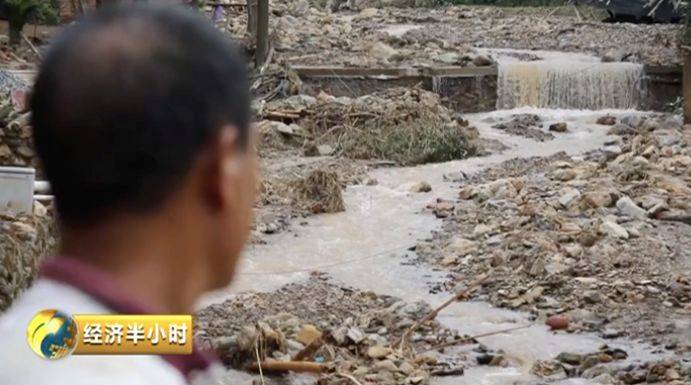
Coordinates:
(359, 35)
(598, 243)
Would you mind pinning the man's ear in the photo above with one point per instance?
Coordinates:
(224, 168)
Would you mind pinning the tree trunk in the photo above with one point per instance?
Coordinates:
(16, 23)
(686, 79)
(252, 18)
(262, 46)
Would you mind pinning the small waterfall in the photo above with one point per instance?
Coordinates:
(569, 84)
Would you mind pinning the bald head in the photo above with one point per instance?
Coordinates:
(124, 103)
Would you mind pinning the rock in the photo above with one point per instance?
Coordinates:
(223, 343)
(558, 127)
(482, 61)
(604, 379)
(621, 130)
(462, 247)
(610, 333)
(406, 368)
(325, 150)
(632, 120)
(612, 150)
(672, 374)
(587, 239)
(640, 162)
(596, 199)
(497, 259)
(448, 58)
(378, 351)
(570, 358)
(382, 51)
(636, 376)
(467, 193)
(591, 296)
(589, 362)
(386, 365)
(308, 334)
(480, 230)
(557, 322)
(443, 209)
(564, 174)
(368, 13)
(627, 207)
(549, 370)
(484, 359)
(614, 55)
(356, 335)
(568, 197)
(449, 260)
(613, 230)
(573, 250)
(606, 120)
(421, 187)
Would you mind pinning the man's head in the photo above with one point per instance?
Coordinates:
(142, 113)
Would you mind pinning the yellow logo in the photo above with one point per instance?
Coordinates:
(52, 334)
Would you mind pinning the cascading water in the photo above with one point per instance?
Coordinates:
(569, 84)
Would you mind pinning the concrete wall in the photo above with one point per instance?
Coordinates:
(663, 87)
(462, 89)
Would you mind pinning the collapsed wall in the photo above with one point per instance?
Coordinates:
(24, 238)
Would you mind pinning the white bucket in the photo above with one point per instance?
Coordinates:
(16, 189)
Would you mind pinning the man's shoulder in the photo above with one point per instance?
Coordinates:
(22, 366)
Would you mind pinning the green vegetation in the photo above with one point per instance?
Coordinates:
(407, 143)
(20, 12)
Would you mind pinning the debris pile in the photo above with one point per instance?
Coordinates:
(310, 34)
(532, 29)
(24, 241)
(293, 186)
(601, 241)
(364, 36)
(405, 125)
(606, 366)
(16, 148)
(527, 125)
(318, 326)
(320, 191)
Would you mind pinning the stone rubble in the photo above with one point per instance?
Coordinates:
(16, 148)
(598, 243)
(358, 34)
(527, 125)
(347, 330)
(24, 241)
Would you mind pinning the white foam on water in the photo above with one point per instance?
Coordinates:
(559, 83)
(547, 79)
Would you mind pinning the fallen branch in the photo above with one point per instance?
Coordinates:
(676, 218)
(287, 366)
(351, 378)
(32, 46)
(433, 314)
(259, 364)
(309, 350)
(281, 115)
(578, 14)
(472, 338)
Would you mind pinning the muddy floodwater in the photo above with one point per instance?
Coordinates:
(367, 246)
